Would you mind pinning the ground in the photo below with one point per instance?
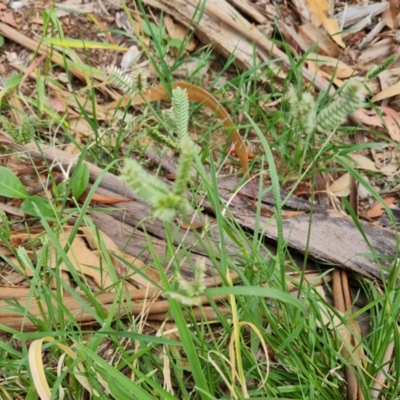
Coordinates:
(250, 253)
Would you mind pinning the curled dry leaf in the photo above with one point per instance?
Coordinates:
(148, 277)
(341, 186)
(6, 16)
(130, 57)
(84, 261)
(36, 365)
(121, 268)
(362, 162)
(92, 236)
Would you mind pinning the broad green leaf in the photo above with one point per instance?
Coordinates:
(175, 42)
(80, 180)
(81, 44)
(28, 207)
(11, 186)
(13, 82)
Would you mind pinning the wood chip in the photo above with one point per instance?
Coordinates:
(351, 15)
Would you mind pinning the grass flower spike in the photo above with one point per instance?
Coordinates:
(180, 107)
(377, 69)
(350, 100)
(162, 139)
(302, 110)
(149, 188)
(168, 118)
(5, 228)
(192, 290)
(21, 134)
(130, 84)
(184, 166)
(146, 186)
(23, 257)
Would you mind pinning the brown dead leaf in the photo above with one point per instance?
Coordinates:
(390, 118)
(101, 199)
(313, 67)
(391, 91)
(80, 127)
(32, 67)
(341, 186)
(389, 77)
(292, 214)
(389, 16)
(84, 260)
(92, 237)
(6, 16)
(195, 226)
(73, 147)
(351, 341)
(377, 210)
(59, 105)
(363, 162)
(148, 278)
(392, 121)
(319, 8)
(303, 188)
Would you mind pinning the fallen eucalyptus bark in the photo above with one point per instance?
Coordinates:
(328, 236)
(323, 234)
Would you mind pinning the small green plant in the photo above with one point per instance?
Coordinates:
(159, 34)
(12, 187)
(165, 201)
(150, 188)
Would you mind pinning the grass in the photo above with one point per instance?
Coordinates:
(271, 344)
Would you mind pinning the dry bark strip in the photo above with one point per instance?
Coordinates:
(334, 238)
